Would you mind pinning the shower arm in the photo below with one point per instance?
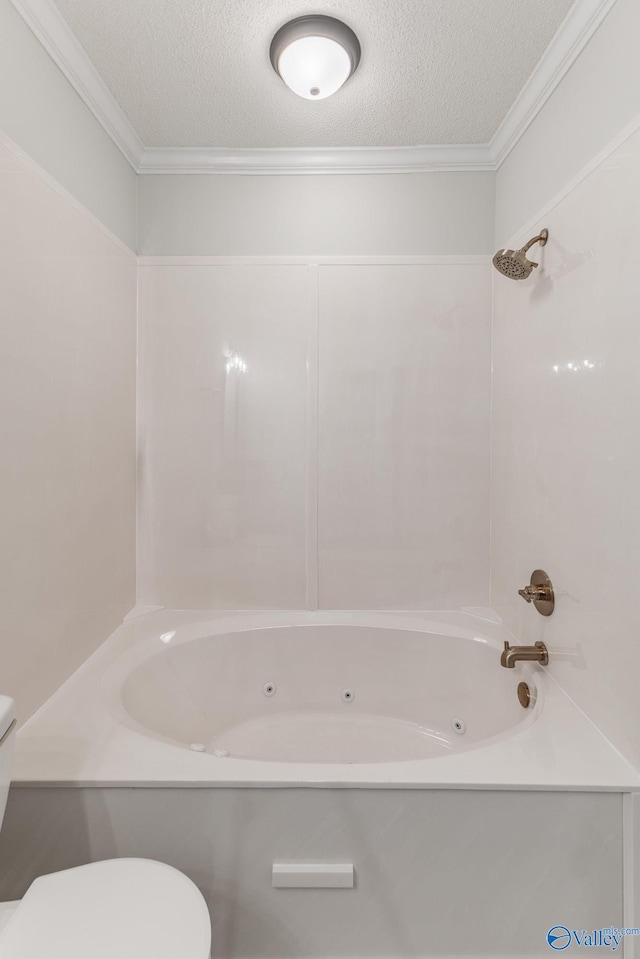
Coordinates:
(541, 238)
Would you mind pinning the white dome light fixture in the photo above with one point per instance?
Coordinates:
(315, 55)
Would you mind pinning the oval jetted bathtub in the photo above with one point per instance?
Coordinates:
(285, 698)
(321, 693)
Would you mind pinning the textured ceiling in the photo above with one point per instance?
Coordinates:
(196, 73)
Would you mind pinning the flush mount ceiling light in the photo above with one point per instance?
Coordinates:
(315, 55)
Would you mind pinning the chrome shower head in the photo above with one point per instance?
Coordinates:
(515, 263)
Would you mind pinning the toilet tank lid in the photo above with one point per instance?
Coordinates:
(7, 714)
(125, 908)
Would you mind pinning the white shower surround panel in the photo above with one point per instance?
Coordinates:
(67, 432)
(125, 717)
(222, 446)
(341, 460)
(566, 457)
(404, 419)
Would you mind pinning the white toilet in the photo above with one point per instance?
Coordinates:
(124, 908)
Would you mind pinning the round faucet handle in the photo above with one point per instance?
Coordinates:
(529, 593)
(539, 592)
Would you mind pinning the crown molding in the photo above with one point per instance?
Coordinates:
(572, 36)
(53, 32)
(300, 161)
(66, 51)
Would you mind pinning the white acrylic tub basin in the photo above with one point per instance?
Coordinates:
(320, 693)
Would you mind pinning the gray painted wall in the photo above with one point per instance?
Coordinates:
(332, 215)
(42, 113)
(370, 215)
